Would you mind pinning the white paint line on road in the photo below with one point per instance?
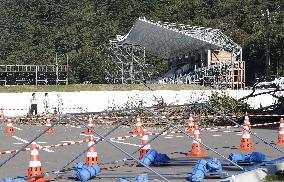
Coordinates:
(78, 127)
(41, 142)
(25, 141)
(17, 128)
(239, 134)
(168, 137)
(227, 131)
(121, 139)
(82, 134)
(18, 143)
(126, 143)
(216, 135)
(179, 136)
(213, 130)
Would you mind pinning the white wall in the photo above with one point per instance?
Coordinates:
(100, 100)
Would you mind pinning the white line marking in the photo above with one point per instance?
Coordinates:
(126, 143)
(168, 137)
(86, 134)
(78, 127)
(17, 128)
(227, 131)
(25, 141)
(41, 142)
(18, 143)
(179, 136)
(213, 130)
(216, 135)
(239, 134)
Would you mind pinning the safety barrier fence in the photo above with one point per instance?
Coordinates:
(169, 124)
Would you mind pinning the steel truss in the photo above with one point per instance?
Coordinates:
(126, 63)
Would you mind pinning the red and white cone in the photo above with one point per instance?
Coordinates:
(50, 131)
(197, 149)
(1, 114)
(90, 125)
(190, 127)
(9, 128)
(281, 133)
(147, 147)
(92, 155)
(246, 142)
(246, 120)
(35, 170)
(138, 126)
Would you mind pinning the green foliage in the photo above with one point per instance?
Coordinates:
(32, 31)
(228, 104)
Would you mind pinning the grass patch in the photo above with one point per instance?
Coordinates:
(97, 87)
(277, 177)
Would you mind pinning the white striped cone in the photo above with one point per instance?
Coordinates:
(92, 155)
(190, 127)
(9, 128)
(197, 149)
(35, 168)
(90, 125)
(138, 126)
(1, 114)
(281, 133)
(246, 120)
(147, 147)
(246, 142)
(47, 125)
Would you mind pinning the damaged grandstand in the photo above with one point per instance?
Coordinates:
(195, 55)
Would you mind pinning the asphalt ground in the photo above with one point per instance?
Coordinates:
(174, 145)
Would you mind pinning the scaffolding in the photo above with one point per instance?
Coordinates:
(172, 42)
(33, 74)
(126, 63)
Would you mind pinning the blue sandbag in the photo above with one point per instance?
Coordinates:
(151, 154)
(122, 180)
(7, 180)
(237, 157)
(83, 175)
(214, 165)
(19, 180)
(80, 166)
(257, 157)
(93, 169)
(146, 161)
(162, 158)
(141, 178)
(198, 173)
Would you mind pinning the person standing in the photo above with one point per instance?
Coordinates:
(59, 104)
(33, 107)
(46, 103)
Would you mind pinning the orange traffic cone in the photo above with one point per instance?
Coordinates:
(35, 170)
(281, 133)
(147, 147)
(190, 127)
(197, 149)
(50, 131)
(246, 143)
(92, 155)
(1, 114)
(9, 128)
(90, 125)
(138, 127)
(246, 120)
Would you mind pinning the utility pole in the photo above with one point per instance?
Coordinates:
(267, 44)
